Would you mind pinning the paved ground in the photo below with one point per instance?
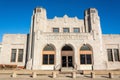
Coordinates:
(60, 77)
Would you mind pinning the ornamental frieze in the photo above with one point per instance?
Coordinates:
(66, 37)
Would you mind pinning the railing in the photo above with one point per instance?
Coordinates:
(75, 66)
(57, 67)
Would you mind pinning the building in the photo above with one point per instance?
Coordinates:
(62, 42)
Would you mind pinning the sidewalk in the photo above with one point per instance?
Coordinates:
(59, 77)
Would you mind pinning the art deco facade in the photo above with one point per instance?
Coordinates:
(62, 42)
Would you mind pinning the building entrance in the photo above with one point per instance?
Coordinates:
(67, 61)
(67, 56)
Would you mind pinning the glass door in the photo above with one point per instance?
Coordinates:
(69, 61)
(66, 61)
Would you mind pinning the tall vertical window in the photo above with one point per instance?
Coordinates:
(66, 30)
(13, 55)
(110, 56)
(88, 59)
(45, 59)
(76, 30)
(51, 59)
(56, 30)
(82, 59)
(20, 55)
(116, 54)
(113, 54)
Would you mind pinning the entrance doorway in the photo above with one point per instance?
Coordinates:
(67, 61)
(67, 56)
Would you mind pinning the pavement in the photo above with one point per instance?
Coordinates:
(59, 77)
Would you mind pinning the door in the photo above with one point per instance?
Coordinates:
(64, 61)
(67, 61)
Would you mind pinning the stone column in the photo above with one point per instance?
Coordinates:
(58, 57)
(74, 74)
(54, 74)
(110, 75)
(34, 75)
(14, 74)
(76, 54)
(92, 74)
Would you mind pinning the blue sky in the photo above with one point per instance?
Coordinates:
(15, 15)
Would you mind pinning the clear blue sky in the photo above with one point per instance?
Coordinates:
(15, 15)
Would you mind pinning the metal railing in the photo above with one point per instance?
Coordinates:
(57, 67)
(75, 66)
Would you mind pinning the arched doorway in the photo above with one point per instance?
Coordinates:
(67, 54)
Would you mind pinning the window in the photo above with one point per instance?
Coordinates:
(45, 59)
(48, 48)
(110, 57)
(85, 59)
(88, 59)
(38, 10)
(76, 30)
(13, 55)
(66, 30)
(85, 54)
(116, 54)
(67, 48)
(55, 30)
(48, 59)
(85, 48)
(82, 59)
(20, 55)
(92, 11)
(51, 59)
(48, 55)
(113, 55)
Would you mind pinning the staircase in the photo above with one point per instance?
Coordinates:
(68, 69)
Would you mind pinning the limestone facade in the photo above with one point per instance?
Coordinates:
(0, 47)
(59, 33)
(13, 41)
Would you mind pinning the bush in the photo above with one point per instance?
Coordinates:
(2, 66)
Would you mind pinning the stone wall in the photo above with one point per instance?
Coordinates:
(13, 41)
(111, 41)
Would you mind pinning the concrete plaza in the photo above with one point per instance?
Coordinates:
(59, 77)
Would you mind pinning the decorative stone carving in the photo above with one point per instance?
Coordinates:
(66, 37)
(38, 35)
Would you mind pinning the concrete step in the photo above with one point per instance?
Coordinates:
(69, 75)
(70, 69)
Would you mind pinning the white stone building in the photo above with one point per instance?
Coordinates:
(53, 44)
